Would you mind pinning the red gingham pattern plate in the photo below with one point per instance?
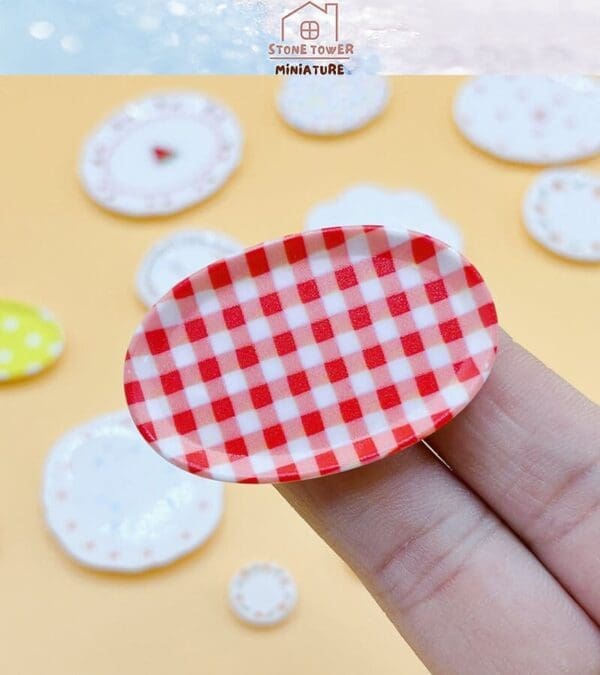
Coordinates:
(311, 354)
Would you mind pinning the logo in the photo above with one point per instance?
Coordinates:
(310, 21)
(311, 33)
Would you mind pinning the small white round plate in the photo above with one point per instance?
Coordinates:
(115, 505)
(561, 211)
(176, 257)
(332, 105)
(161, 154)
(372, 205)
(263, 594)
(531, 119)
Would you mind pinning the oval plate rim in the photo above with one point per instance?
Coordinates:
(202, 276)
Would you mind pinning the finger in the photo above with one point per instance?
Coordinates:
(529, 444)
(464, 592)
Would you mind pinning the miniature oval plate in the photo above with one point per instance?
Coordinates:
(31, 340)
(531, 119)
(310, 355)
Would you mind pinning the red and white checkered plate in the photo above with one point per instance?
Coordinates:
(310, 355)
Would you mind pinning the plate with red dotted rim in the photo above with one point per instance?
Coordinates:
(161, 154)
(116, 506)
(531, 119)
(561, 211)
(331, 105)
(263, 594)
(311, 354)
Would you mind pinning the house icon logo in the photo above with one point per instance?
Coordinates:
(310, 43)
(311, 22)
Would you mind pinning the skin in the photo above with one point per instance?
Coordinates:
(487, 561)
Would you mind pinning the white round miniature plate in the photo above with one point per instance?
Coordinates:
(531, 119)
(561, 211)
(401, 210)
(263, 594)
(176, 257)
(332, 105)
(161, 154)
(115, 505)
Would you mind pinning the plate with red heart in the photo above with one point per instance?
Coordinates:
(161, 154)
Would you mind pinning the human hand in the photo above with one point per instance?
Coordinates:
(493, 566)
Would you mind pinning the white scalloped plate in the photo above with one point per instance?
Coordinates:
(398, 210)
(115, 505)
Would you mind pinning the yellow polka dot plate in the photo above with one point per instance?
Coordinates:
(30, 340)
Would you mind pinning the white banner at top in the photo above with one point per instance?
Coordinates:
(244, 36)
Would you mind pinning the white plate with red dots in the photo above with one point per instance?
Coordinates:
(332, 105)
(531, 119)
(115, 505)
(177, 256)
(161, 154)
(263, 594)
(561, 211)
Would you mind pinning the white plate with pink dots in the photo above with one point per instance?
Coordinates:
(331, 105)
(115, 505)
(561, 211)
(263, 594)
(531, 119)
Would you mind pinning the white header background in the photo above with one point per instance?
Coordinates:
(463, 36)
(232, 36)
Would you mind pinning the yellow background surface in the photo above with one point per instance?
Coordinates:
(60, 250)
